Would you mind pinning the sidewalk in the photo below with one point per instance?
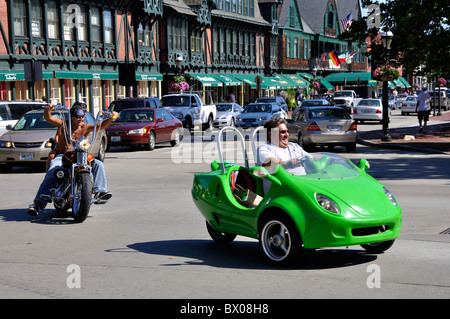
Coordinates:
(436, 139)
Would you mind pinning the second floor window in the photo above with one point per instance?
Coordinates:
(52, 20)
(36, 19)
(20, 18)
(75, 19)
(108, 26)
(95, 25)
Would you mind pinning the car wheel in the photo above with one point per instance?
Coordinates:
(176, 139)
(188, 125)
(378, 248)
(233, 122)
(150, 146)
(208, 125)
(218, 237)
(280, 240)
(101, 151)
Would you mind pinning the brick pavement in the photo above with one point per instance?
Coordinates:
(436, 139)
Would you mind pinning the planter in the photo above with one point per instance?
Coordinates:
(386, 78)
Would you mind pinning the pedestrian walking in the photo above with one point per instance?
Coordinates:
(423, 109)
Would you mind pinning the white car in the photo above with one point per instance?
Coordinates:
(227, 114)
(256, 114)
(395, 102)
(368, 110)
(409, 104)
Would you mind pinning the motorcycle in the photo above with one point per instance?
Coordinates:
(74, 189)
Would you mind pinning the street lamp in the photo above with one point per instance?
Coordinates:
(179, 62)
(386, 39)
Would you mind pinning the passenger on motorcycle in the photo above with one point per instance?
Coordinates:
(79, 129)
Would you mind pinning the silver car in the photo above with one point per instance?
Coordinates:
(28, 142)
(256, 114)
(368, 110)
(318, 126)
(227, 114)
(409, 105)
(395, 102)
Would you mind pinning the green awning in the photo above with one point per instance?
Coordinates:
(307, 76)
(391, 85)
(228, 80)
(399, 83)
(298, 80)
(247, 78)
(407, 85)
(285, 82)
(325, 83)
(206, 79)
(20, 75)
(149, 77)
(349, 77)
(270, 83)
(87, 75)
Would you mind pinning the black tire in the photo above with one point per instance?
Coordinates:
(351, 147)
(188, 125)
(102, 151)
(176, 138)
(82, 202)
(150, 146)
(208, 125)
(280, 240)
(218, 237)
(378, 248)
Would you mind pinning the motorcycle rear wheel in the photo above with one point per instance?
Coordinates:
(83, 192)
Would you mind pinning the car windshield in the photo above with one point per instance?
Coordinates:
(328, 114)
(118, 106)
(176, 101)
(411, 98)
(342, 94)
(369, 103)
(315, 103)
(254, 108)
(136, 116)
(266, 99)
(322, 166)
(34, 121)
(223, 107)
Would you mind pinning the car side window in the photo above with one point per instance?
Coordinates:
(17, 110)
(3, 113)
(159, 114)
(166, 115)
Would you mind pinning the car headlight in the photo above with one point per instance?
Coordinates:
(239, 119)
(327, 204)
(84, 145)
(138, 131)
(5, 144)
(262, 118)
(390, 196)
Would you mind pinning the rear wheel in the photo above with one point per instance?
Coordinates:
(221, 238)
(280, 240)
(150, 146)
(176, 138)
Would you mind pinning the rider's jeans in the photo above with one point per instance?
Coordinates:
(50, 180)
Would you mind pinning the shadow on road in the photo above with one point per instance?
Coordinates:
(246, 255)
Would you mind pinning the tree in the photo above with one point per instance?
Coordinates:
(421, 34)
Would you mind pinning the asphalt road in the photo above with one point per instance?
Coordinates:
(149, 240)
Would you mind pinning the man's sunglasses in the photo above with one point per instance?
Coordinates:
(283, 131)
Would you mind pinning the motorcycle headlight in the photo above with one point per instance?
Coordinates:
(5, 144)
(390, 196)
(84, 145)
(138, 131)
(327, 204)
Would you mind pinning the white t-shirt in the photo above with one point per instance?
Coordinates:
(424, 99)
(293, 150)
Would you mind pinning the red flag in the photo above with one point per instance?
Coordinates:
(334, 58)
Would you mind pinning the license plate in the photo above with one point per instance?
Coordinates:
(334, 127)
(26, 156)
(115, 138)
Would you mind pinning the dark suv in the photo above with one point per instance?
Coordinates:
(134, 102)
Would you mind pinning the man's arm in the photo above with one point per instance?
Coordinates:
(50, 118)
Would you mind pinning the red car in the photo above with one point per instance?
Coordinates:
(144, 126)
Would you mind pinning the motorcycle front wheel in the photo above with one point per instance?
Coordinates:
(83, 196)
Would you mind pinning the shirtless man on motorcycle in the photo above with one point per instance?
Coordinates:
(63, 144)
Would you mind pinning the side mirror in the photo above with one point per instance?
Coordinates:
(194, 105)
(9, 127)
(363, 164)
(261, 172)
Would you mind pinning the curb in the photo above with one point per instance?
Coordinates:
(400, 147)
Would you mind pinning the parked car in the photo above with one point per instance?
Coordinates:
(144, 126)
(395, 102)
(409, 104)
(28, 142)
(279, 100)
(227, 114)
(368, 110)
(11, 111)
(317, 126)
(127, 103)
(435, 101)
(256, 114)
(402, 96)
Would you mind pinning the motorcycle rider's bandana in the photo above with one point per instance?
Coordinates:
(78, 113)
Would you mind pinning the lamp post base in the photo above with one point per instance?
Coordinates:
(386, 137)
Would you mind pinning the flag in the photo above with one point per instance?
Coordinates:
(347, 21)
(334, 58)
(341, 57)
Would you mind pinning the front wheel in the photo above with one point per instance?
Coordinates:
(150, 146)
(83, 196)
(280, 240)
(378, 248)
